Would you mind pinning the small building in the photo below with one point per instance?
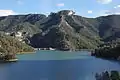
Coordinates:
(18, 34)
(51, 49)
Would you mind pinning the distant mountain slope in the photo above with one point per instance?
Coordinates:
(16, 23)
(64, 29)
(109, 27)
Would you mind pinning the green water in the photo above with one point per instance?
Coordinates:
(55, 55)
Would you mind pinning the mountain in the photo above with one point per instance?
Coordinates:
(109, 27)
(14, 23)
(63, 30)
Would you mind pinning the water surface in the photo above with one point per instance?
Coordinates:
(56, 65)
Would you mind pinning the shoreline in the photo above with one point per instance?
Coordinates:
(9, 61)
(12, 60)
(54, 49)
(19, 53)
(15, 59)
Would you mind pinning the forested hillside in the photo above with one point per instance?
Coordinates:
(63, 30)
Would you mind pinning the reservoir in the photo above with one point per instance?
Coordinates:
(56, 65)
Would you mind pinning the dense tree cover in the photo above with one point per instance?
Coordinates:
(63, 31)
(113, 75)
(108, 50)
(10, 46)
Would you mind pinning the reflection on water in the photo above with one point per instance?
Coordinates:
(56, 67)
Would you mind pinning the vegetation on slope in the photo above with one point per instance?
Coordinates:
(63, 30)
(109, 50)
(10, 46)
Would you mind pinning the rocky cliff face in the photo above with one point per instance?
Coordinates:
(64, 30)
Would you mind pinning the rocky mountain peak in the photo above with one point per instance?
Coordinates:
(66, 12)
(63, 28)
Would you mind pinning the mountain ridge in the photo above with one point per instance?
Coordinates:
(64, 30)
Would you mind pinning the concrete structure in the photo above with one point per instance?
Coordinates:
(19, 34)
